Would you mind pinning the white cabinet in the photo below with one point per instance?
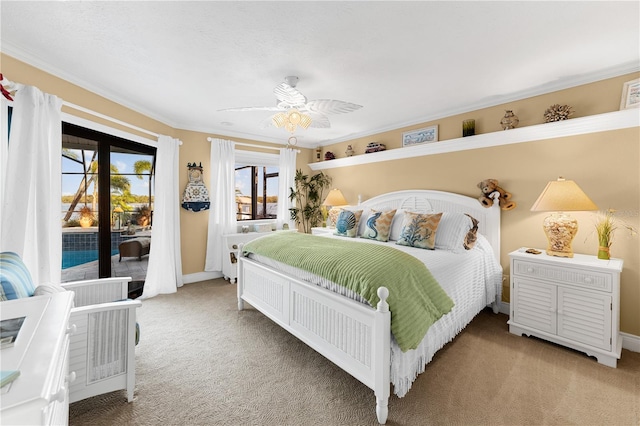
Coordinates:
(40, 395)
(574, 302)
(230, 258)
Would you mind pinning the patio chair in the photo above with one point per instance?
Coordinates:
(102, 347)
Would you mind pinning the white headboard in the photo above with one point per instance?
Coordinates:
(428, 201)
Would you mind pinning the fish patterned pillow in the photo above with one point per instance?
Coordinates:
(378, 225)
(347, 223)
(419, 230)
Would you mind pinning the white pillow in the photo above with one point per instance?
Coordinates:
(396, 225)
(452, 231)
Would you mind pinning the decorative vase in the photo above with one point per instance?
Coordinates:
(510, 120)
(349, 152)
(86, 221)
(604, 253)
(468, 128)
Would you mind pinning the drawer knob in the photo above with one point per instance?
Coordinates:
(72, 329)
(530, 270)
(588, 280)
(71, 377)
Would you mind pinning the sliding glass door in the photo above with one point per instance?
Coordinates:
(107, 186)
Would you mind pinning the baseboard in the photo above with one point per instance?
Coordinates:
(200, 276)
(630, 342)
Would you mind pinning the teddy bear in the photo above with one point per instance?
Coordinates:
(489, 186)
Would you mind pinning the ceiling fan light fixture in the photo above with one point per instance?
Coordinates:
(280, 119)
(305, 121)
(294, 117)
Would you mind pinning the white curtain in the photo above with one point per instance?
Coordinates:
(4, 148)
(286, 175)
(31, 188)
(164, 273)
(222, 215)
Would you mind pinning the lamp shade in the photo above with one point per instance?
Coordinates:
(335, 198)
(563, 195)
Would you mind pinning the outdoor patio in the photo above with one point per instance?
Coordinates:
(128, 267)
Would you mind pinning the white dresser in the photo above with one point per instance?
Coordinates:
(574, 302)
(40, 395)
(231, 246)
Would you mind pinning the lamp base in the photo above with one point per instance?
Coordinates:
(560, 228)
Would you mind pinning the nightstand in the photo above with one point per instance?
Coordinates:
(574, 302)
(320, 230)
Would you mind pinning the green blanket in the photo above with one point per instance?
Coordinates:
(416, 300)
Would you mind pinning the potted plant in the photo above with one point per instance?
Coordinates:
(86, 217)
(606, 225)
(308, 195)
(143, 214)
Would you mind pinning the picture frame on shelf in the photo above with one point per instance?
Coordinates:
(630, 94)
(420, 136)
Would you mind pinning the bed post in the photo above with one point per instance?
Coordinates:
(382, 355)
(240, 280)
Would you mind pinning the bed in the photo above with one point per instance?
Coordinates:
(356, 334)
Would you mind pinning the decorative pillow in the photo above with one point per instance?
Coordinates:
(15, 279)
(378, 225)
(347, 223)
(332, 216)
(472, 236)
(452, 231)
(419, 230)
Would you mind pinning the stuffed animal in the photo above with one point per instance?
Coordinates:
(489, 186)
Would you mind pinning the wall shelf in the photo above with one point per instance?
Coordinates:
(576, 126)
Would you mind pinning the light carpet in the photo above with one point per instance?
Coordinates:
(202, 362)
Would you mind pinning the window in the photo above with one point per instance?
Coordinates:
(256, 185)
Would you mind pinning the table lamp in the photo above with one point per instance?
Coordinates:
(334, 199)
(558, 197)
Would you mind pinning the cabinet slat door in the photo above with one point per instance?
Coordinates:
(585, 317)
(535, 304)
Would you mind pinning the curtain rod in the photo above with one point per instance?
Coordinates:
(12, 86)
(210, 139)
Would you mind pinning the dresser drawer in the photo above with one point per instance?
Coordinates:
(563, 275)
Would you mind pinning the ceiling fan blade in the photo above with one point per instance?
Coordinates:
(331, 106)
(254, 108)
(319, 121)
(289, 96)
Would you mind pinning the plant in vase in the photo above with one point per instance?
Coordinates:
(86, 217)
(606, 226)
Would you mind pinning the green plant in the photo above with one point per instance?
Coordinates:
(308, 195)
(143, 215)
(606, 226)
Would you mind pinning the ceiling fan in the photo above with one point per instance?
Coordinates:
(294, 110)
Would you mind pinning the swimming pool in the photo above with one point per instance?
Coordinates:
(78, 257)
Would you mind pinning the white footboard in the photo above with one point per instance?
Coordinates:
(355, 337)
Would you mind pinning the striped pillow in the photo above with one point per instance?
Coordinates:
(15, 278)
(454, 231)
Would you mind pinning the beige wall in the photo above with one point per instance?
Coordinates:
(606, 165)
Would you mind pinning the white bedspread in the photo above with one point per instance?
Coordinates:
(472, 279)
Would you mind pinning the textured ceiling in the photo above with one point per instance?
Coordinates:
(404, 62)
